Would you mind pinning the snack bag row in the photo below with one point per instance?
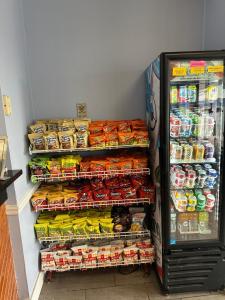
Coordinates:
(81, 256)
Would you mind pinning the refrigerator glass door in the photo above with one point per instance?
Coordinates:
(196, 139)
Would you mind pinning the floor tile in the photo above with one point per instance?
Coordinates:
(81, 280)
(209, 297)
(63, 295)
(125, 292)
(137, 277)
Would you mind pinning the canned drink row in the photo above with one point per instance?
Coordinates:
(193, 176)
(194, 200)
(191, 124)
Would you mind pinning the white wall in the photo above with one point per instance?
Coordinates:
(14, 82)
(97, 50)
(214, 20)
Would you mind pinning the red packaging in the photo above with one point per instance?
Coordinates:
(129, 193)
(124, 182)
(101, 194)
(126, 138)
(97, 165)
(110, 127)
(141, 137)
(112, 166)
(112, 183)
(115, 194)
(97, 140)
(147, 192)
(124, 126)
(138, 180)
(97, 183)
(85, 196)
(140, 162)
(111, 139)
(125, 165)
(85, 166)
(138, 125)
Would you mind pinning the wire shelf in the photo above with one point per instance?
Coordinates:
(83, 266)
(113, 235)
(95, 204)
(87, 149)
(88, 175)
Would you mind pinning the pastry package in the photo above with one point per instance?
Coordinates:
(66, 139)
(130, 254)
(37, 141)
(75, 261)
(66, 125)
(51, 141)
(61, 263)
(81, 125)
(79, 250)
(81, 139)
(104, 257)
(38, 128)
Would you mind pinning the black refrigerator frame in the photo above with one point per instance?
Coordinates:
(164, 153)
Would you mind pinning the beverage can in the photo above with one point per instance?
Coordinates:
(187, 152)
(209, 123)
(183, 94)
(198, 151)
(173, 95)
(209, 150)
(206, 192)
(201, 178)
(175, 125)
(190, 208)
(178, 152)
(192, 93)
(192, 200)
(201, 200)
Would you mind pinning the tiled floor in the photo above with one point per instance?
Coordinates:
(109, 285)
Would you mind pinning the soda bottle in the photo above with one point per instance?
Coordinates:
(192, 93)
(173, 94)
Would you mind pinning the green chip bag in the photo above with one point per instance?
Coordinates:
(41, 230)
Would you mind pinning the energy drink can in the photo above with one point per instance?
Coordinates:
(183, 94)
(192, 93)
(173, 95)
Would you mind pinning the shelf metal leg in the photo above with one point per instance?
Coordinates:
(49, 276)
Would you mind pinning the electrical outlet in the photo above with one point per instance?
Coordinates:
(7, 105)
(81, 110)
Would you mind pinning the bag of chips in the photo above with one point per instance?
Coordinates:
(51, 141)
(66, 139)
(37, 141)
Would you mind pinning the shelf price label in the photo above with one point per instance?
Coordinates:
(197, 70)
(216, 69)
(179, 71)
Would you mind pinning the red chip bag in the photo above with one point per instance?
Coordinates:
(97, 140)
(85, 196)
(101, 194)
(147, 192)
(140, 162)
(141, 137)
(115, 194)
(138, 180)
(85, 166)
(124, 126)
(112, 183)
(112, 166)
(129, 193)
(97, 165)
(97, 183)
(124, 182)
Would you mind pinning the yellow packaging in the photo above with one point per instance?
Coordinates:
(41, 230)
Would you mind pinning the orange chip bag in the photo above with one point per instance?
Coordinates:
(141, 137)
(111, 139)
(140, 162)
(126, 138)
(97, 140)
(97, 165)
(124, 126)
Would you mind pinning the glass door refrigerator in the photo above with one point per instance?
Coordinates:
(185, 115)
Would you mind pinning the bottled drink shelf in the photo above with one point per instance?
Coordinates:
(193, 161)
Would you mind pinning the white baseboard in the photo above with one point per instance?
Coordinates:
(38, 286)
(12, 210)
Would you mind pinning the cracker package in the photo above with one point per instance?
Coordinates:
(38, 128)
(81, 125)
(37, 141)
(81, 139)
(66, 139)
(51, 141)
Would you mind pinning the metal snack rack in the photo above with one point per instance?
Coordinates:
(60, 177)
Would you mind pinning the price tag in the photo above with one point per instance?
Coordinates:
(197, 70)
(179, 71)
(216, 69)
